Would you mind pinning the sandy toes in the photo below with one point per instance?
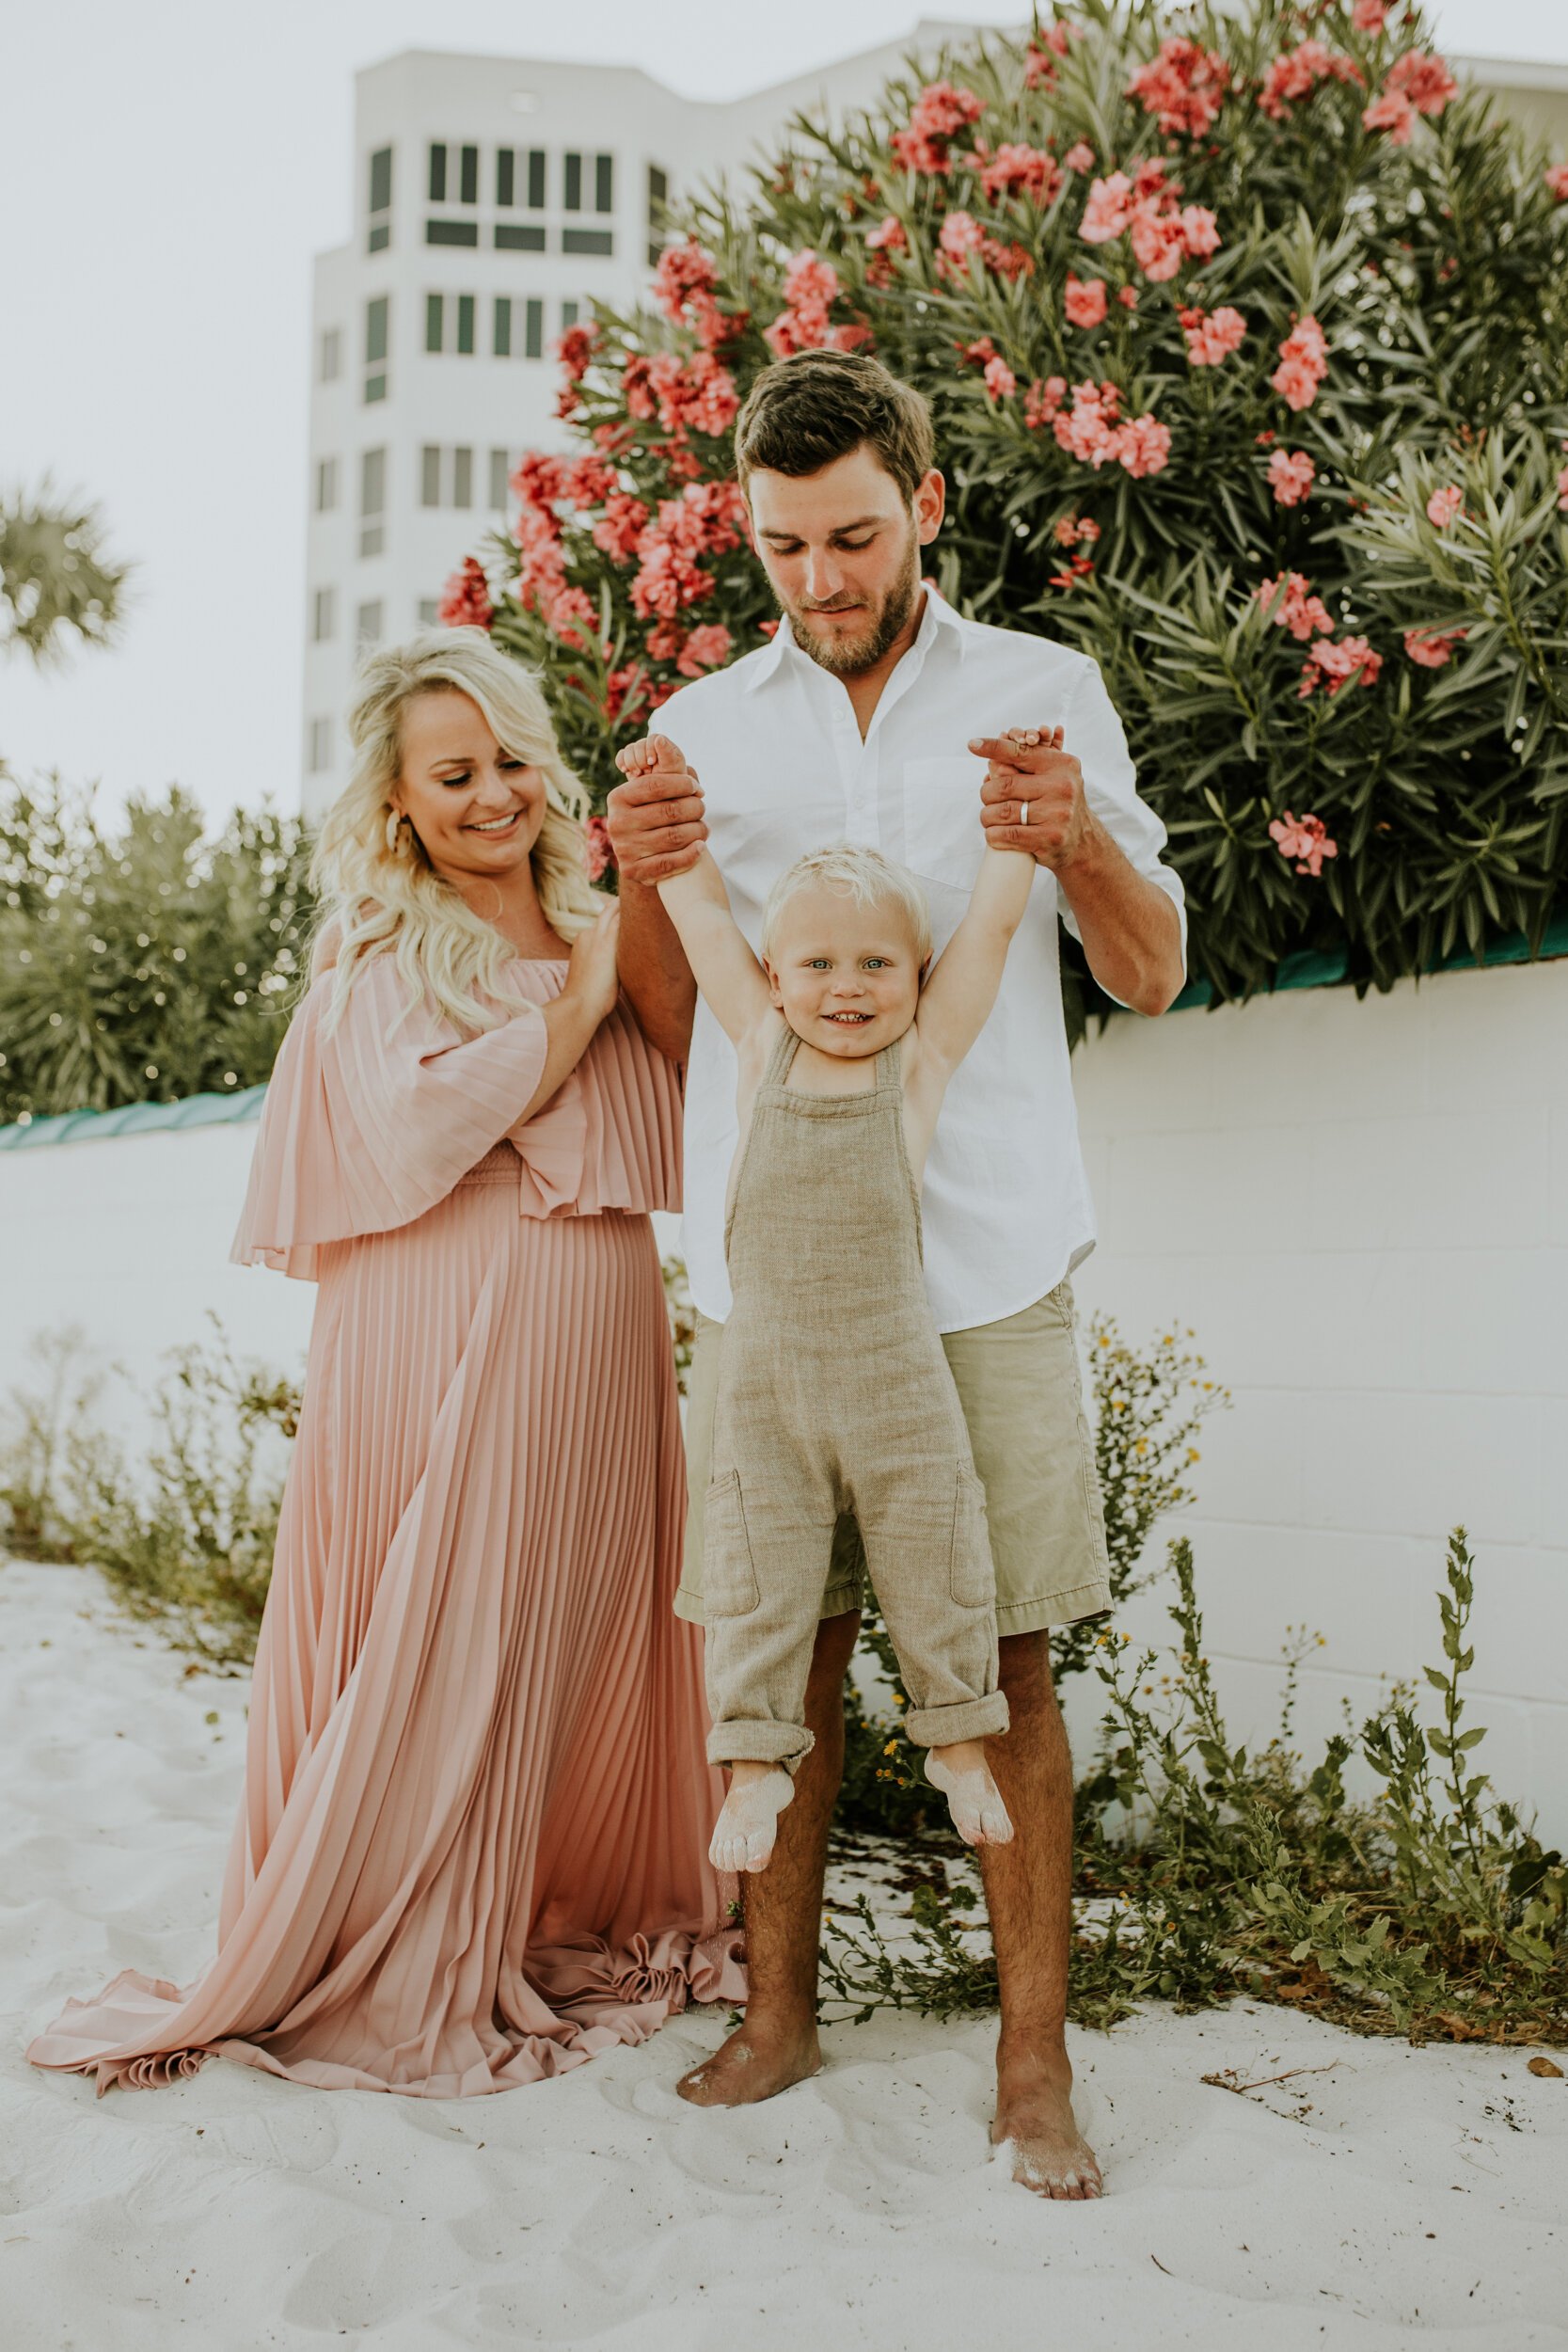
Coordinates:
(755, 2063)
(1037, 2134)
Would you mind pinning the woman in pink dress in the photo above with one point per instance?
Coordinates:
(471, 1846)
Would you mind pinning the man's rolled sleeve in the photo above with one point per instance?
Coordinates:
(1093, 734)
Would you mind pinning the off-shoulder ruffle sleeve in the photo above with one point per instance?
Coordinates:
(367, 1127)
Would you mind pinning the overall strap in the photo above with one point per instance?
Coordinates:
(782, 1058)
(890, 1069)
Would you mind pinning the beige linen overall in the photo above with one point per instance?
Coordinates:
(834, 1395)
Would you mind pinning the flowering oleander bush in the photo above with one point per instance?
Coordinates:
(1247, 342)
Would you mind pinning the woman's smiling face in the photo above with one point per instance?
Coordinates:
(477, 809)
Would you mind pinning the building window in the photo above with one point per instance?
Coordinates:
(373, 502)
(466, 323)
(367, 626)
(533, 330)
(375, 346)
(437, 175)
(501, 340)
(571, 171)
(452, 232)
(659, 211)
(514, 236)
(587, 241)
(506, 176)
(434, 309)
(568, 315)
(322, 616)
(501, 472)
(604, 183)
(468, 175)
(319, 752)
(536, 179)
(430, 475)
(331, 354)
(462, 477)
(430, 612)
(381, 199)
(326, 485)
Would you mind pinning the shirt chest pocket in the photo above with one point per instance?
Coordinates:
(943, 840)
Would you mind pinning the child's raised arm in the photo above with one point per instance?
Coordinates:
(697, 903)
(957, 1000)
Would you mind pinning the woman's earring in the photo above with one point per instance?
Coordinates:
(394, 831)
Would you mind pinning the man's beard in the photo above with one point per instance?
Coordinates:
(852, 657)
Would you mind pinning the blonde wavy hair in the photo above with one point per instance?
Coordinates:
(857, 871)
(379, 900)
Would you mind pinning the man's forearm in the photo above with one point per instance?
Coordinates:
(1131, 930)
(654, 971)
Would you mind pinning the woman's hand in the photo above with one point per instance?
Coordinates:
(591, 980)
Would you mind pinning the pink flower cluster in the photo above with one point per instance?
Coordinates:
(1332, 665)
(1070, 530)
(576, 352)
(466, 599)
(1297, 610)
(1084, 300)
(683, 284)
(705, 521)
(543, 484)
(1093, 431)
(1015, 170)
(1183, 86)
(1433, 648)
(1302, 364)
(1444, 504)
(1079, 157)
(696, 395)
(1304, 839)
(961, 235)
(1000, 383)
(1296, 74)
(1292, 474)
(1161, 230)
(1211, 336)
(1418, 83)
(811, 289)
(1046, 44)
(1557, 180)
(938, 116)
(1369, 16)
(888, 238)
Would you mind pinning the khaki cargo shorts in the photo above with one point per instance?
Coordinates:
(1021, 1392)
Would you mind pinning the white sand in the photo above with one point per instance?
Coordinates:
(1401, 2198)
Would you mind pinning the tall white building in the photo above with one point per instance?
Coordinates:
(495, 198)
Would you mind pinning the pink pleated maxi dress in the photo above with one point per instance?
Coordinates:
(471, 1846)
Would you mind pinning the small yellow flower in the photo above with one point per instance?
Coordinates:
(892, 1748)
(1192, 1455)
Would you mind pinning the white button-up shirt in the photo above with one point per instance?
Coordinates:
(781, 765)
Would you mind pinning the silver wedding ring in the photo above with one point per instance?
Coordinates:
(1023, 813)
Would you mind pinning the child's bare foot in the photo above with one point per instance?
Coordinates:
(973, 1799)
(744, 1833)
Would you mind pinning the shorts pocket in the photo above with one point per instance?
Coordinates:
(730, 1587)
(971, 1578)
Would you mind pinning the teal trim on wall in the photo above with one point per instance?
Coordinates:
(236, 1110)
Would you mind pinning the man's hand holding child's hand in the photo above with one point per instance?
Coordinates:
(1033, 795)
(654, 815)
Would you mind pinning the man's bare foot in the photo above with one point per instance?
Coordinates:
(973, 1799)
(747, 1826)
(1035, 2124)
(757, 2062)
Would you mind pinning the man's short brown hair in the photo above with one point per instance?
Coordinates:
(803, 412)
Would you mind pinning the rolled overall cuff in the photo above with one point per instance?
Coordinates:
(965, 1719)
(760, 1742)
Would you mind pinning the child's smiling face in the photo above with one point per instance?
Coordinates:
(846, 976)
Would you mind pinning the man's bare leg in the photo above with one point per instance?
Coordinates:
(1029, 1895)
(776, 2044)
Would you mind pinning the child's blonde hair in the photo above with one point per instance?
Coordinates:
(857, 872)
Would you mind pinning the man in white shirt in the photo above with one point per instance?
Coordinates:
(864, 719)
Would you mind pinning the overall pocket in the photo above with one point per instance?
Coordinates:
(730, 1587)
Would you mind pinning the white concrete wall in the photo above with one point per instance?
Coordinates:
(1362, 1211)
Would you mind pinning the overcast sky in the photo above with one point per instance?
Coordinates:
(168, 169)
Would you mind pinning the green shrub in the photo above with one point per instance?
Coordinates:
(1350, 707)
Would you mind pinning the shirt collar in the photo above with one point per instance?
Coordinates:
(939, 616)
